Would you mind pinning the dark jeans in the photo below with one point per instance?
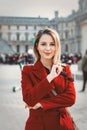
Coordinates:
(84, 80)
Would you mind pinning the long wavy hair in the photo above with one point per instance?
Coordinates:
(55, 37)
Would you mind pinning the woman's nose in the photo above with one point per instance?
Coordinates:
(48, 47)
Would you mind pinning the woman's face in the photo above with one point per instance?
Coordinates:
(46, 47)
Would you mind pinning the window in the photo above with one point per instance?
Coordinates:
(66, 48)
(22, 37)
(13, 37)
(17, 36)
(26, 48)
(18, 48)
(66, 34)
(35, 27)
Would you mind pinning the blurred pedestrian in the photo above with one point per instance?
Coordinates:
(84, 70)
(47, 86)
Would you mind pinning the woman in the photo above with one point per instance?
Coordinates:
(47, 86)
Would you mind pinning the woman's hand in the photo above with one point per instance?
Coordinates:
(55, 71)
(36, 106)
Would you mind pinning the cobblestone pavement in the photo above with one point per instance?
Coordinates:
(12, 112)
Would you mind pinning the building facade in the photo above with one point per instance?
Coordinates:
(19, 32)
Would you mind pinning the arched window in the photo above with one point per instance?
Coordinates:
(22, 37)
(13, 37)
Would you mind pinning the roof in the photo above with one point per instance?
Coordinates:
(23, 20)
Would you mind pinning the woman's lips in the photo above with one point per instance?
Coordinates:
(47, 53)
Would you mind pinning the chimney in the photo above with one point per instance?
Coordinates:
(56, 14)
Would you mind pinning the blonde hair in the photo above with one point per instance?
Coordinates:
(56, 39)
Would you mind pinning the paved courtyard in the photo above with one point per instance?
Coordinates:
(12, 112)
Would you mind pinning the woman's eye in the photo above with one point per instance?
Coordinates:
(43, 44)
(52, 44)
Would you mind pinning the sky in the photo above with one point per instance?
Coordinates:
(35, 8)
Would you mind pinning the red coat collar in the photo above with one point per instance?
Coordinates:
(39, 70)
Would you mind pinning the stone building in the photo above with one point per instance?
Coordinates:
(19, 32)
(72, 29)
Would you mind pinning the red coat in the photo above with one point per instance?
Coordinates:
(36, 88)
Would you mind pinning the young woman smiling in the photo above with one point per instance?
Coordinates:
(47, 86)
